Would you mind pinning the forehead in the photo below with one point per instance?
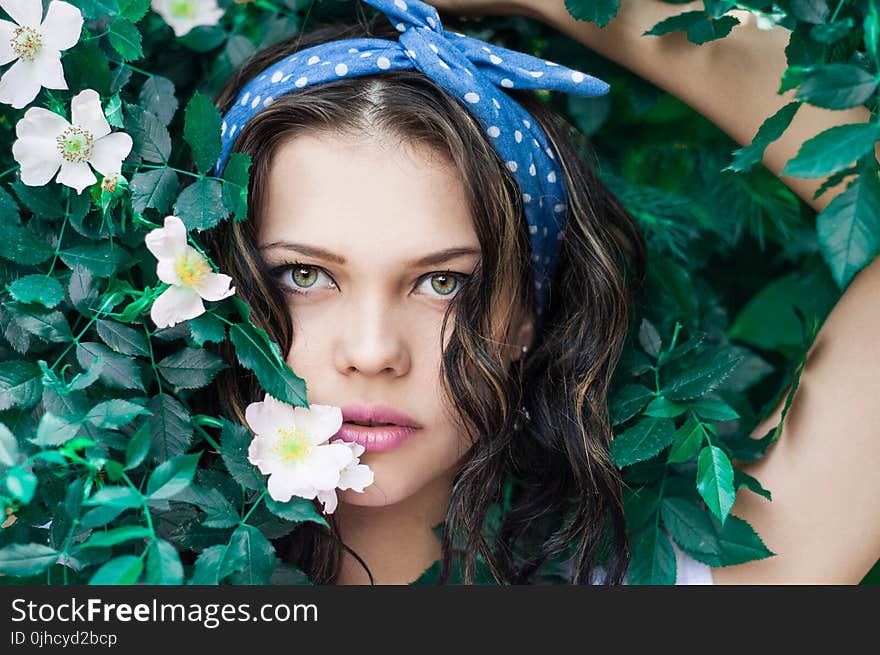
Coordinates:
(365, 195)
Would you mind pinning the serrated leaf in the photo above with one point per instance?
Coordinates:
(219, 512)
(8, 447)
(134, 10)
(102, 259)
(24, 560)
(234, 442)
(122, 570)
(653, 560)
(157, 96)
(664, 408)
(122, 339)
(690, 526)
(154, 189)
(207, 567)
(715, 481)
(138, 447)
(629, 401)
(37, 289)
(742, 479)
(833, 150)
(20, 384)
(235, 184)
(163, 564)
(207, 328)
(48, 325)
(191, 368)
(837, 86)
(114, 413)
(649, 338)
(116, 496)
(172, 476)
(20, 483)
(594, 11)
(692, 379)
(770, 130)
(296, 509)
(151, 139)
(22, 246)
(201, 130)
(118, 370)
(87, 66)
(713, 409)
(849, 228)
(126, 39)
(676, 23)
(642, 441)
(810, 11)
(258, 353)
(116, 536)
(200, 205)
(170, 427)
(54, 430)
(249, 555)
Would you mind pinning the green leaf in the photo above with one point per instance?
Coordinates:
(93, 9)
(157, 96)
(849, 228)
(115, 413)
(154, 189)
(837, 86)
(54, 430)
(594, 11)
(200, 205)
(676, 23)
(653, 560)
(37, 289)
(170, 427)
(42, 201)
(163, 564)
(649, 338)
(172, 476)
(715, 481)
(100, 516)
(234, 442)
(122, 570)
(134, 10)
(118, 371)
(24, 560)
(738, 543)
(117, 536)
(87, 66)
(628, 402)
(833, 150)
(249, 555)
(116, 496)
(201, 129)
(207, 328)
(691, 379)
(690, 526)
(151, 139)
(126, 39)
(21, 484)
(770, 130)
(871, 27)
(664, 408)
(207, 567)
(742, 479)
(701, 32)
(296, 509)
(258, 353)
(191, 368)
(48, 325)
(810, 11)
(829, 33)
(235, 184)
(713, 409)
(219, 512)
(102, 259)
(642, 441)
(122, 339)
(8, 447)
(137, 449)
(20, 384)
(22, 246)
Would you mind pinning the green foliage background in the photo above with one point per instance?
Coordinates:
(107, 476)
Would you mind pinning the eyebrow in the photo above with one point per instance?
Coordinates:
(432, 259)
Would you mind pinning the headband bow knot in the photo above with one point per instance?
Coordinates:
(477, 74)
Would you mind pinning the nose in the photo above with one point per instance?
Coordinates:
(372, 341)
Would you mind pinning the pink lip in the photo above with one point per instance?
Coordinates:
(379, 437)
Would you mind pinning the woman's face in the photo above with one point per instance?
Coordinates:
(377, 237)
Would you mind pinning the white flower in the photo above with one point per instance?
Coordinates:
(290, 444)
(183, 15)
(47, 141)
(37, 47)
(188, 273)
(354, 476)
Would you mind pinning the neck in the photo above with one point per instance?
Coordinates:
(395, 541)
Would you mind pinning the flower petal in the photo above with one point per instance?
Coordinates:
(109, 151)
(261, 420)
(356, 477)
(39, 160)
(320, 422)
(50, 73)
(24, 12)
(215, 286)
(166, 270)
(169, 241)
(329, 499)
(20, 84)
(39, 123)
(324, 464)
(62, 25)
(77, 175)
(175, 305)
(7, 54)
(86, 112)
(280, 488)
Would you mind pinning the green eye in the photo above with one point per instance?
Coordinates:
(444, 283)
(304, 276)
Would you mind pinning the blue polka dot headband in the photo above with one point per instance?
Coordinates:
(471, 70)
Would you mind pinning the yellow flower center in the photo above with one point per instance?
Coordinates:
(184, 8)
(109, 182)
(26, 42)
(191, 268)
(293, 446)
(75, 144)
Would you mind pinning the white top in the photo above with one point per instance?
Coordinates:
(688, 571)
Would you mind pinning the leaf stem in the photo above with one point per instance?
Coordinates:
(253, 507)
